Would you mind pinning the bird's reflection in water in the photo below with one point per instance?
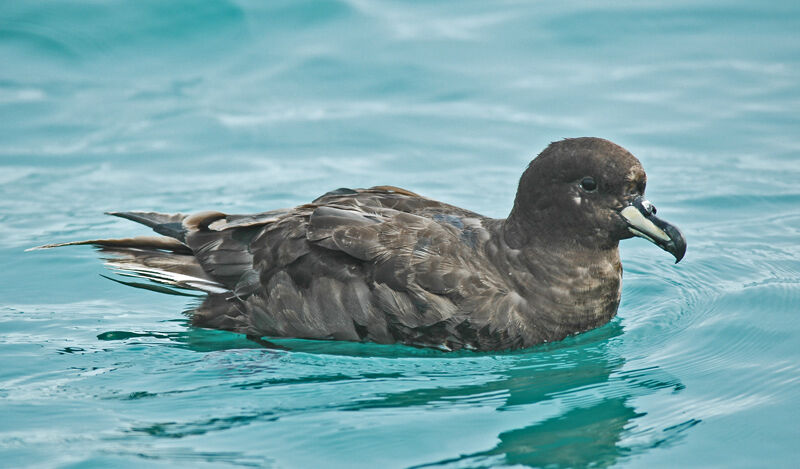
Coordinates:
(581, 437)
(572, 400)
(583, 378)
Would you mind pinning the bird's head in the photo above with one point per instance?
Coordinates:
(588, 192)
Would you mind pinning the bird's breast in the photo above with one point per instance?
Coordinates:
(562, 293)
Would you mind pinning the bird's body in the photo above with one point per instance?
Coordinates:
(387, 265)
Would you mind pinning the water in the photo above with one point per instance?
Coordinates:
(245, 106)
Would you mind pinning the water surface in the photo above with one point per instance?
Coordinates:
(242, 106)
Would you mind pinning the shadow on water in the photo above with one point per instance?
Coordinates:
(197, 340)
(209, 340)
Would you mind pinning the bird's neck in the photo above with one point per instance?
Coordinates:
(570, 287)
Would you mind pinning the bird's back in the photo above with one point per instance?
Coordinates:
(381, 264)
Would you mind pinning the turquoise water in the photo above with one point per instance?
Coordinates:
(246, 106)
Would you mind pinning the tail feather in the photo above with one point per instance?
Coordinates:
(150, 286)
(159, 259)
(167, 268)
(139, 242)
(203, 252)
(167, 224)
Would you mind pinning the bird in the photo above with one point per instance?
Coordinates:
(389, 266)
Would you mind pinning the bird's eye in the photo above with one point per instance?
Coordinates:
(589, 184)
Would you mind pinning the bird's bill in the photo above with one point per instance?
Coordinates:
(643, 222)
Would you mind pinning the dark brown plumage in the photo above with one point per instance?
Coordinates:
(387, 265)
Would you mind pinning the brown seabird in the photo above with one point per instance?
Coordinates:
(389, 266)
